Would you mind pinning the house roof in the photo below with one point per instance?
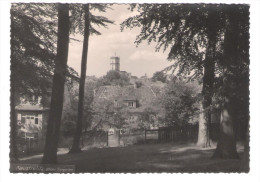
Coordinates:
(143, 94)
(30, 107)
(128, 92)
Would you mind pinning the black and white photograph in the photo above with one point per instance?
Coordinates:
(116, 88)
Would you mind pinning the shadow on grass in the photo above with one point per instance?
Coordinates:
(195, 160)
(148, 158)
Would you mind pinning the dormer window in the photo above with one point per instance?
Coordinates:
(130, 103)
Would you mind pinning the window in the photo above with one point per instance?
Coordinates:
(31, 119)
(36, 120)
(131, 118)
(23, 119)
(130, 104)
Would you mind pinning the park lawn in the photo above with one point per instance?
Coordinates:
(167, 157)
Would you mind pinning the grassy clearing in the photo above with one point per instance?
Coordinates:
(149, 158)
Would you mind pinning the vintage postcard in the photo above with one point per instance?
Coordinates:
(130, 88)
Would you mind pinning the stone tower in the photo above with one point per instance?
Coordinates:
(115, 63)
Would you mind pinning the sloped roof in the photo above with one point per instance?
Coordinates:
(30, 107)
(128, 92)
(143, 94)
(108, 91)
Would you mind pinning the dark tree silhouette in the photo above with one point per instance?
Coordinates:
(159, 76)
(32, 56)
(33, 50)
(89, 18)
(192, 34)
(54, 120)
(78, 131)
(114, 78)
(236, 34)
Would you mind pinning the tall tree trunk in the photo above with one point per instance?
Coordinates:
(76, 141)
(205, 111)
(51, 142)
(226, 147)
(207, 89)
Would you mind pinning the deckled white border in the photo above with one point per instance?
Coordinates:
(254, 174)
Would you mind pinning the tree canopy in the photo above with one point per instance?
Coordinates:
(159, 76)
(33, 47)
(78, 18)
(114, 78)
(182, 29)
(180, 102)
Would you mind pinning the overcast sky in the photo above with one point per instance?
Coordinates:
(136, 60)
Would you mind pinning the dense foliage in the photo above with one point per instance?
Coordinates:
(78, 18)
(71, 108)
(114, 78)
(198, 44)
(33, 40)
(159, 76)
(33, 47)
(180, 102)
(107, 115)
(33, 53)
